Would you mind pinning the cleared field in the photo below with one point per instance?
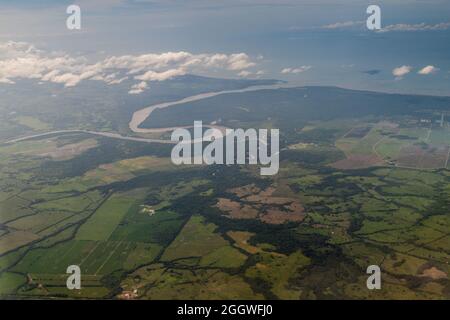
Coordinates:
(390, 148)
(140, 254)
(365, 145)
(94, 257)
(103, 222)
(68, 151)
(16, 239)
(62, 255)
(9, 282)
(360, 148)
(55, 284)
(14, 207)
(411, 147)
(105, 257)
(32, 123)
(275, 270)
(159, 228)
(127, 169)
(224, 257)
(440, 136)
(423, 157)
(195, 240)
(418, 133)
(36, 222)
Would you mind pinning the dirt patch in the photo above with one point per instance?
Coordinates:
(434, 273)
(435, 157)
(237, 210)
(423, 157)
(275, 216)
(69, 151)
(260, 204)
(241, 241)
(245, 190)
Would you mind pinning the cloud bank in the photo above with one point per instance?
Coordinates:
(20, 60)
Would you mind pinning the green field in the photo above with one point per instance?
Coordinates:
(357, 187)
(102, 223)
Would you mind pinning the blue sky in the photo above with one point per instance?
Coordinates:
(322, 42)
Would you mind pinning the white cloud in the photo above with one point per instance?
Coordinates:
(428, 70)
(416, 27)
(161, 76)
(235, 62)
(23, 60)
(246, 74)
(239, 61)
(138, 88)
(116, 81)
(342, 25)
(295, 70)
(401, 71)
(390, 28)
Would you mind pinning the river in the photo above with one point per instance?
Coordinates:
(141, 115)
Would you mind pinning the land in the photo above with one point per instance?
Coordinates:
(355, 188)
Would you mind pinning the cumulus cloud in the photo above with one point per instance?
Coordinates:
(401, 71)
(234, 62)
(428, 70)
(138, 88)
(20, 60)
(161, 76)
(239, 61)
(244, 74)
(295, 70)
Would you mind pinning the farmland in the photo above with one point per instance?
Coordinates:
(350, 192)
